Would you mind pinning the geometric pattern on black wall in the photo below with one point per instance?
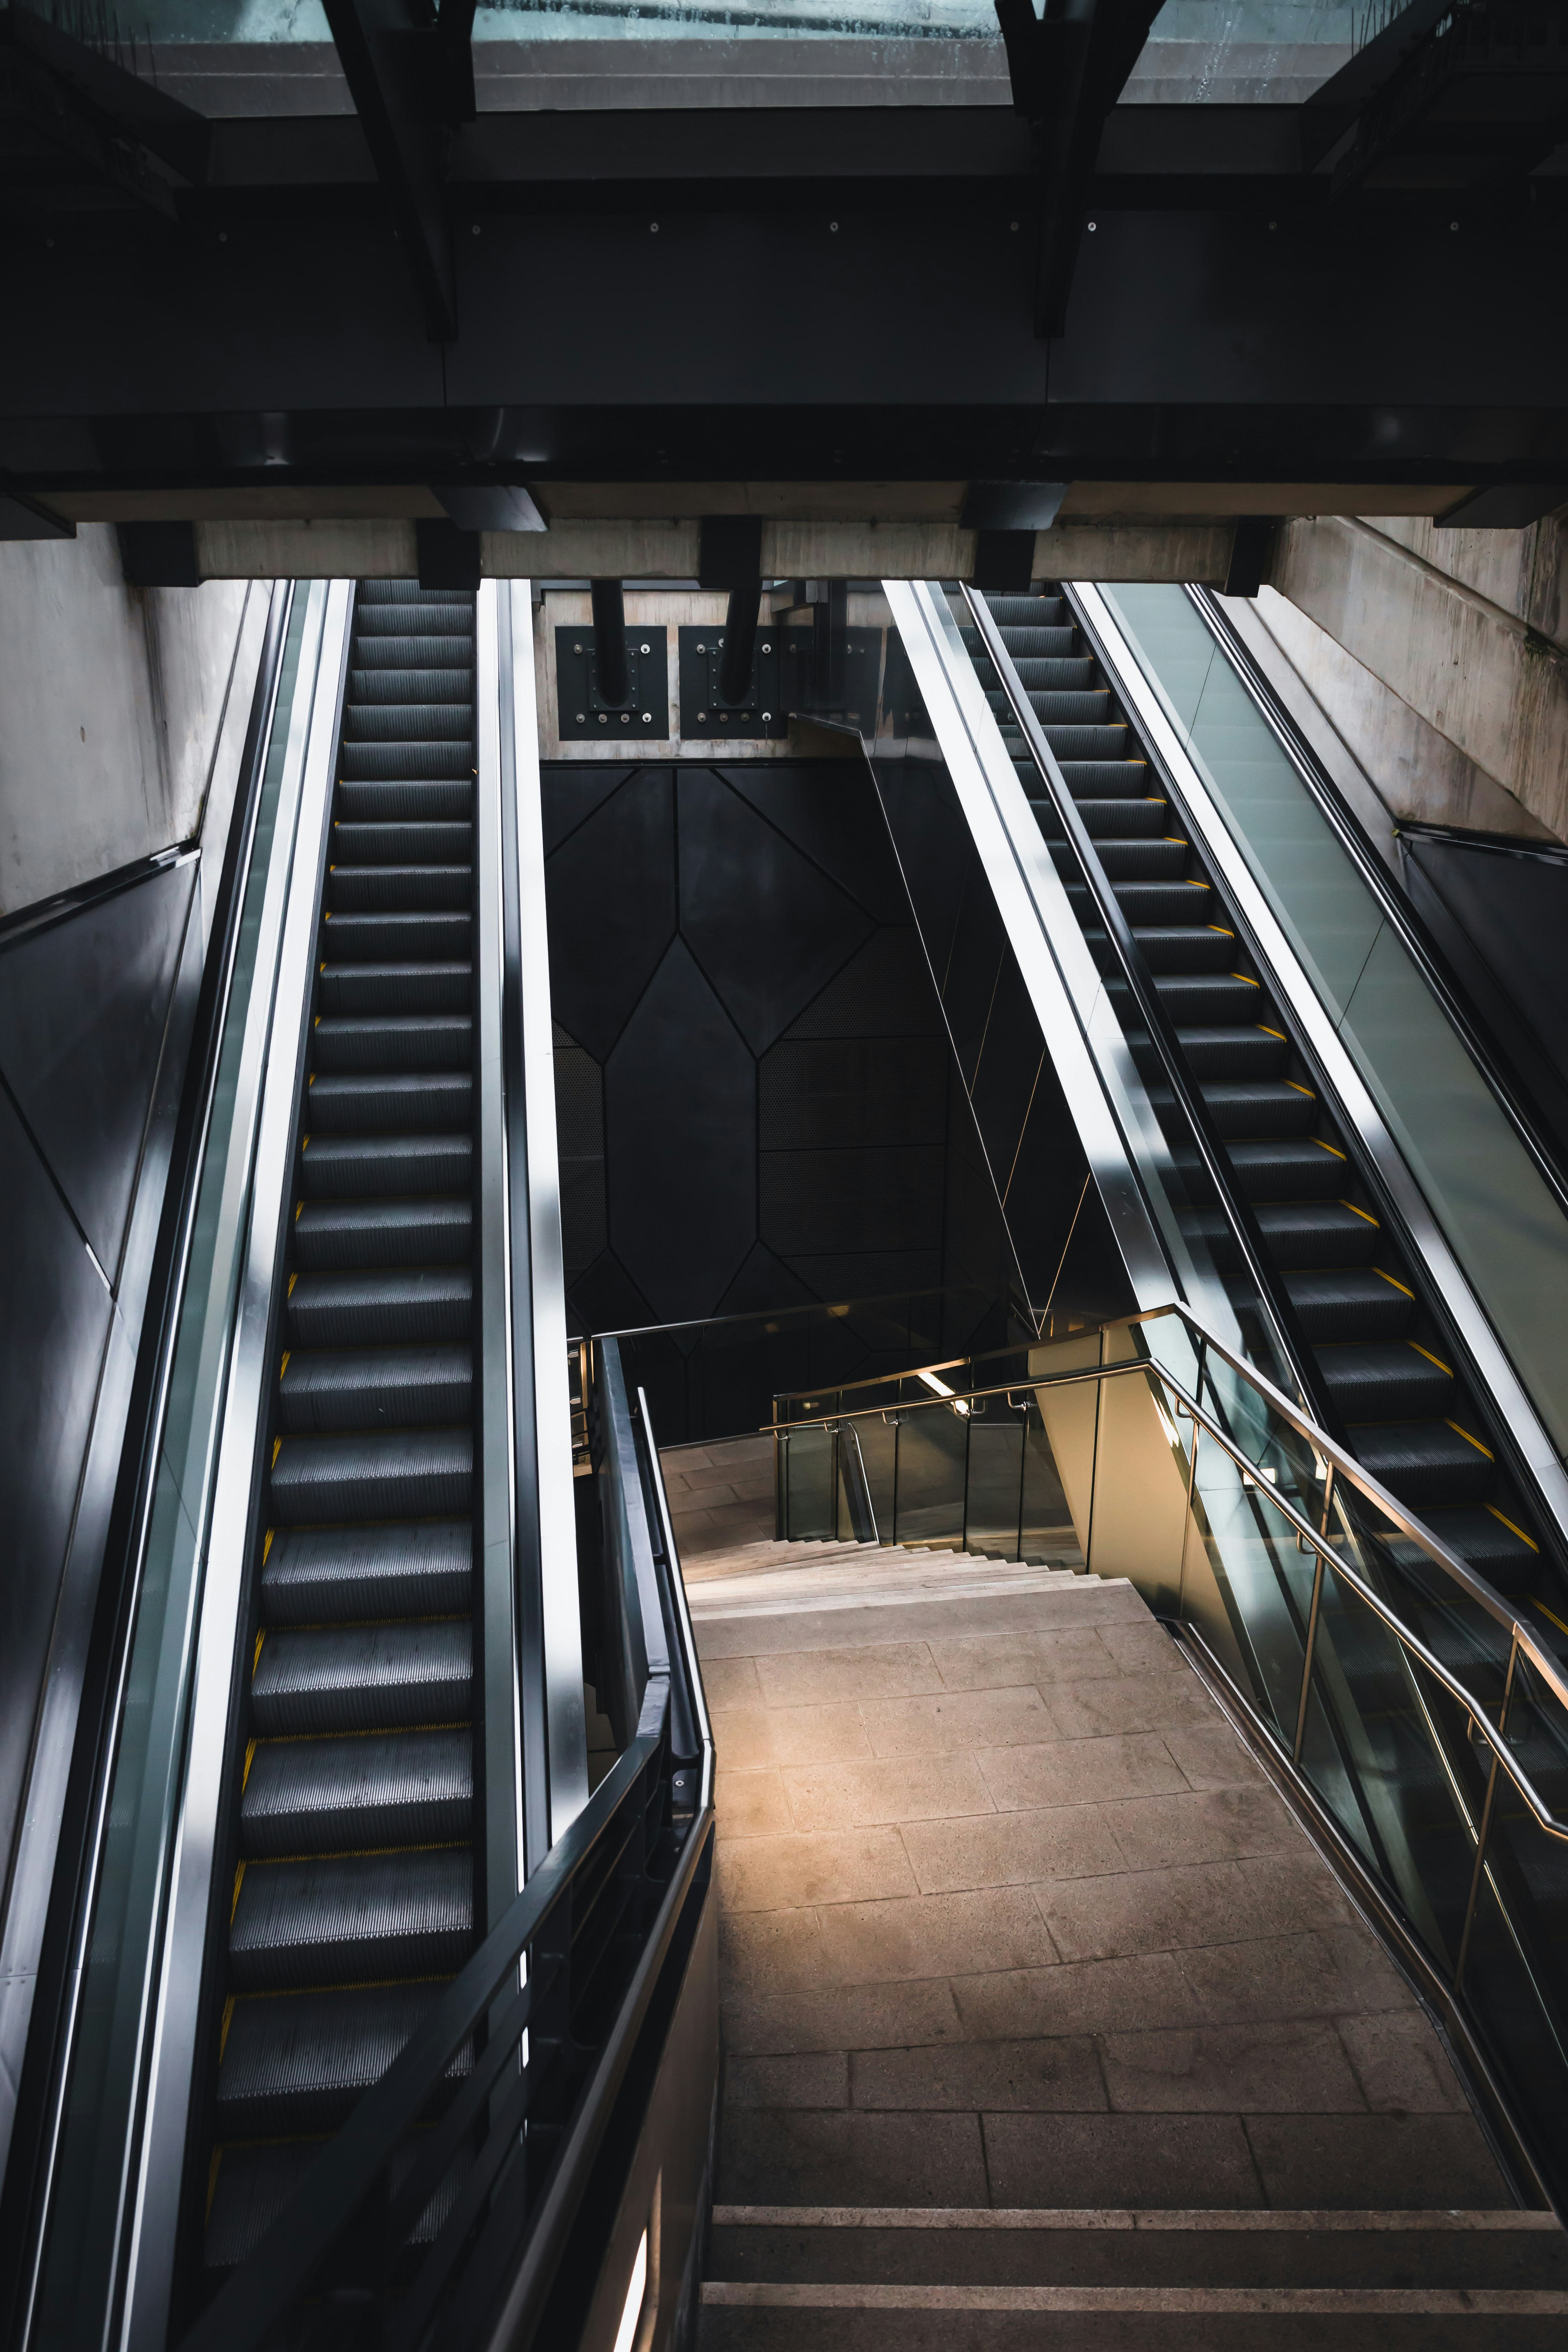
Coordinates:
(739, 990)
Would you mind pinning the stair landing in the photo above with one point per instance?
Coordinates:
(1012, 1925)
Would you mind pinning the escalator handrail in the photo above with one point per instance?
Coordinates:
(1347, 1470)
(1396, 907)
(1289, 1336)
(43, 2085)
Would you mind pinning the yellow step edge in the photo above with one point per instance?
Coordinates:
(1469, 1440)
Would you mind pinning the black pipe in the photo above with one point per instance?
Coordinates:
(740, 643)
(609, 642)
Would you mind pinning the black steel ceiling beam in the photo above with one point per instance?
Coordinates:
(406, 77)
(103, 122)
(1067, 69)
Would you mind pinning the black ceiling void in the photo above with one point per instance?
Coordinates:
(753, 1087)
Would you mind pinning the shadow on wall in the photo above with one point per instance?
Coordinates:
(754, 1082)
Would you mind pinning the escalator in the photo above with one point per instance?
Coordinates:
(352, 1813)
(1384, 1366)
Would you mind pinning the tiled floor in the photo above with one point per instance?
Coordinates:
(1010, 1918)
(720, 1495)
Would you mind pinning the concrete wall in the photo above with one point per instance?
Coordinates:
(112, 709)
(1441, 658)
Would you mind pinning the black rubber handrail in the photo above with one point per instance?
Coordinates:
(1295, 1353)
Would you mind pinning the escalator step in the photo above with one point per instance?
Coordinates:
(1046, 641)
(413, 688)
(1249, 1051)
(1055, 674)
(1086, 743)
(1172, 948)
(1424, 1462)
(1318, 1233)
(383, 1232)
(359, 989)
(1122, 819)
(312, 1576)
(422, 841)
(1263, 1106)
(373, 1474)
(391, 935)
(432, 601)
(1106, 779)
(1164, 860)
(340, 1167)
(409, 797)
(1288, 1169)
(1201, 996)
(431, 649)
(1158, 903)
(408, 889)
(251, 2188)
(1010, 612)
(1058, 706)
(351, 1310)
(373, 1103)
(1348, 1303)
(374, 1387)
(384, 762)
(390, 1041)
(1379, 1379)
(331, 1796)
(410, 723)
(350, 1919)
(340, 1678)
(297, 2064)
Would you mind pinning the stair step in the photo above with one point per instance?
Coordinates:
(379, 682)
(343, 1679)
(382, 1102)
(1260, 1108)
(1124, 818)
(393, 1041)
(1087, 778)
(376, 1388)
(348, 1310)
(415, 650)
(297, 2063)
(1177, 947)
(1319, 1233)
(1240, 1053)
(407, 722)
(378, 1473)
(405, 797)
(1424, 1462)
(316, 1575)
(351, 1919)
(332, 1795)
(1382, 1379)
(384, 1233)
(1348, 1303)
(386, 762)
(340, 1167)
(359, 990)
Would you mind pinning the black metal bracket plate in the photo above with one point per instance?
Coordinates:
(784, 683)
(582, 712)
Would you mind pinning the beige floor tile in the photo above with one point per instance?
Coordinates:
(1419, 2162)
(943, 1724)
(747, 1738)
(1270, 2069)
(730, 1682)
(1013, 1848)
(856, 2017)
(1079, 1771)
(933, 1935)
(1212, 1756)
(812, 1677)
(1147, 1911)
(771, 1951)
(751, 1805)
(818, 2079)
(1079, 1997)
(909, 1789)
(1088, 1710)
(999, 1660)
(793, 2157)
(1202, 1825)
(1400, 2064)
(1045, 2077)
(1119, 2160)
(1290, 1975)
(834, 1866)
(1141, 1647)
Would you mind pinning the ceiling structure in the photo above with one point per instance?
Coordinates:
(858, 261)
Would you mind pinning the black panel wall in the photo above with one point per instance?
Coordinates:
(85, 995)
(753, 1087)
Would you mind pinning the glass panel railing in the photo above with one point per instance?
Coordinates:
(112, 2015)
(1497, 1212)
(1426, 1721)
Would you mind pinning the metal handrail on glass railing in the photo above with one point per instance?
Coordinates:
(465, 2225)
(1288, 1339)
